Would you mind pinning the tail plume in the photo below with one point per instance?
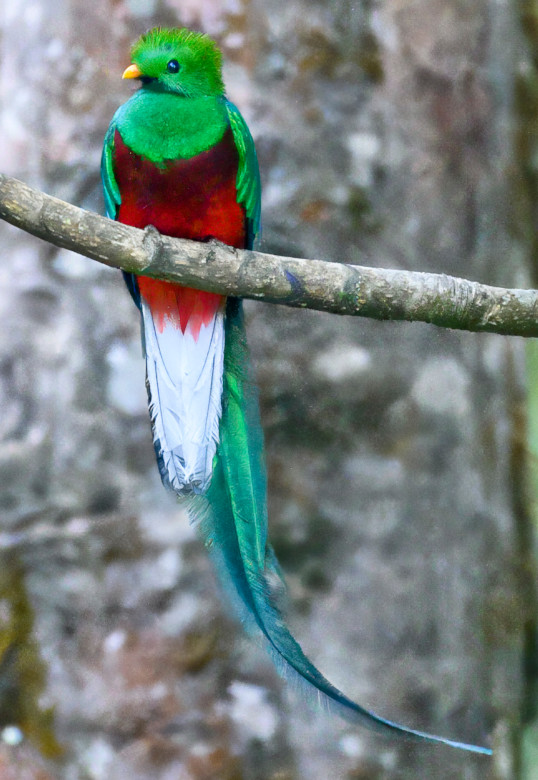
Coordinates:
(232, 518)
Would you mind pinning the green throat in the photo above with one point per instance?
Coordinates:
(162, 126)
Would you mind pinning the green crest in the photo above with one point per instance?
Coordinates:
(179, 60)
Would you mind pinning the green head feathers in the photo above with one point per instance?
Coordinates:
(177, 60)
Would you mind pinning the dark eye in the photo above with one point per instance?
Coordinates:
(173, 66)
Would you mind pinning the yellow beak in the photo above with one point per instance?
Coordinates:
(132, 72)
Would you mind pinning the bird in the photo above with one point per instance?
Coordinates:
(178, 156)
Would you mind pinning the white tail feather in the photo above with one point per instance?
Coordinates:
(184, 379)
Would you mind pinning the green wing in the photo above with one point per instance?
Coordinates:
(112, 197)
(110, 186)
(248, 175)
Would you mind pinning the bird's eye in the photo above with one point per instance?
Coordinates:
(173, 66)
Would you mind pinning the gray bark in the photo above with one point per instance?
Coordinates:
(385, 131)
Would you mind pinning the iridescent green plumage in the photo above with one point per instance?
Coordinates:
(199, 58)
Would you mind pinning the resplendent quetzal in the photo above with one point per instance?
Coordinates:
(179, 156)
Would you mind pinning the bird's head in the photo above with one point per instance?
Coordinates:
(178, 61)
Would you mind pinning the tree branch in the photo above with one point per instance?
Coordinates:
(334, 287)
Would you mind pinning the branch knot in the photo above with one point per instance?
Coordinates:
(152, 244)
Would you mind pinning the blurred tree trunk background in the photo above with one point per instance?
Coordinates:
(403, 132)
